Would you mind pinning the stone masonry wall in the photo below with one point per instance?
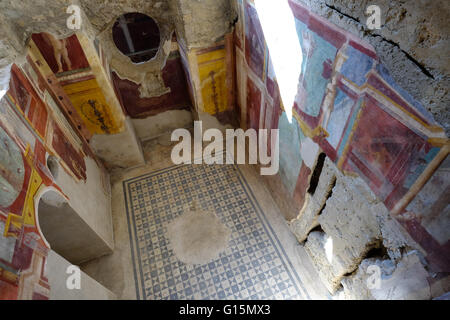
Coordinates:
(352, 241)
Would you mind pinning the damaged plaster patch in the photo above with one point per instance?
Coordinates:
(148, 73)
(153, 86)
(197, 236)
(167, 46)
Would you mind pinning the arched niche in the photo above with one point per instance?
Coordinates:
(64, 231)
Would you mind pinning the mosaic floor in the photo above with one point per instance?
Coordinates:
(254, 265)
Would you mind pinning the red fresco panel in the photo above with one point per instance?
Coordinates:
(177, 98)
(38, 117)
(253, 105)
(68, 154)
(254, 41)
(8, 291)
(302, 185)
(70, 53)
(384, 152)
(375, 81)
(18, 90)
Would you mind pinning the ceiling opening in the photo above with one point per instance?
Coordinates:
(137, 36)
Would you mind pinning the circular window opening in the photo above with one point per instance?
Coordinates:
(136, 35)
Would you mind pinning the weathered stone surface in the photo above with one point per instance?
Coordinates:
(307, 219)
(348, 220)
(201, 23)
(10, 51)
(354, 221)
(31, 16)
(417, 26)
(393, 236)
(308, 216)
(330, 270)
(327, 180)
(404, 281)
(103, 16)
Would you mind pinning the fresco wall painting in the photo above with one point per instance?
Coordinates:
(255, 47)
(46, 128)
(47, 85)
(32, 128)
(427, 213)
(211, 78)
(22, 255)
(174, 78)
(254, 104)
(68, 59)
(89, 101)
(349, 106)
(212, 75)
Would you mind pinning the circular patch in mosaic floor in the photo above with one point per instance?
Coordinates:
(197, 236)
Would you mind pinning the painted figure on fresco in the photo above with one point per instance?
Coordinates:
(59, 51)
(316, 70)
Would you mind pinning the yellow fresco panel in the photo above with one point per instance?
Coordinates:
(13, 225)
(212, 74)
(89, 101)
(211, 56)
(28, 210)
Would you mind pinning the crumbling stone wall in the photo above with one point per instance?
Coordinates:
(345, 229)
(202, 23)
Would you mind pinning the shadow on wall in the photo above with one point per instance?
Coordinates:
(66, 232)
